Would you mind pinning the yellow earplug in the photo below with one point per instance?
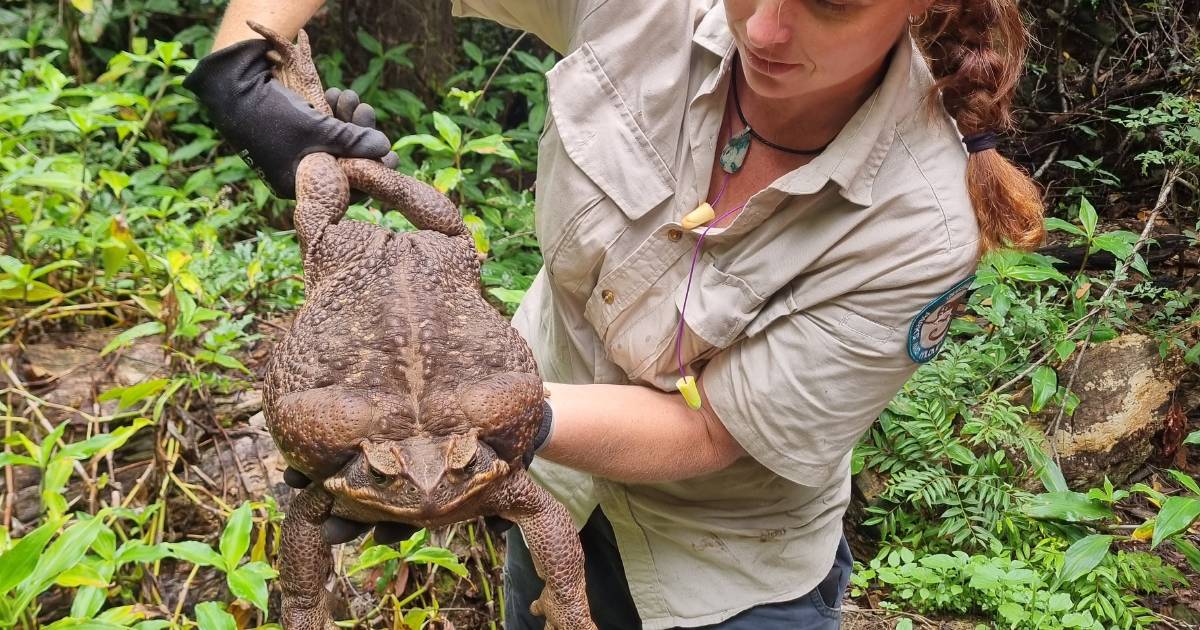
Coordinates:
(701, 215)
(691, 393)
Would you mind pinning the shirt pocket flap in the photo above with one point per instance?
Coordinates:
(719, 305)
(601, 136)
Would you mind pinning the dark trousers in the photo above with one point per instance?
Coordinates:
(612, 606)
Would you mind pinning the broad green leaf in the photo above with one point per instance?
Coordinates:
(65, 552)
(138, 551)
(89, 600)
(14, 267)
(424, 140)
(1087, 217)
(473, 52)
(1030, 273)
(144, 329)
(17, 563)
(1116, 243)
(904, 624)
(1064, 349)
(248, 585)
(508, 296)
(1045, 384)
(1077, 620)
(1193, 437)
(1053, 223)
(1176, 515)
(104, 443)
(33, 291)
(1084, 555)
(438, 556)
(370, 43)
(448, 130)
(52, 267)
(1072, 507)
(84, 6)
(210, 616)
(81, 575)
(377, 554)
(447, 179)
(196, 552)
(13, 459)
(1186, 480)
(1012, 613)
(222, 360)
(133, 394)
(493, 144)
(116, 181)
(1048, 469)
(235, 540)
(1193, 356)
(1059, 602)
(478, 233)
(1189, 551)
(123, 614)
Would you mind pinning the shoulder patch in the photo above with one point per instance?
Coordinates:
(928, 329)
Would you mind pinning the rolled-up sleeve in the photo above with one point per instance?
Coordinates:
(800, 393)
(553, 21)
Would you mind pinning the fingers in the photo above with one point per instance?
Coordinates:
(391, 160)
(392, 533)
(295, 478)
(363, 115)
(346, 104)
(336, 530)
(497, 524)
(331, 97)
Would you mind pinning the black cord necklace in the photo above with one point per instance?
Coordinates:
(734, 153)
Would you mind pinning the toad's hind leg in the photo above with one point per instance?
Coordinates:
(507, 410)
(555, 549)
(419, 202)
(305, 562)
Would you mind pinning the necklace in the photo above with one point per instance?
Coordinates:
(734, 153)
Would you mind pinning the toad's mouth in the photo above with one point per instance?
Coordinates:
(410, 504)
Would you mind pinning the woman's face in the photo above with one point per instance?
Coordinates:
(794, 48)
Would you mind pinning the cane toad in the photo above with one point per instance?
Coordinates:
(399, 390)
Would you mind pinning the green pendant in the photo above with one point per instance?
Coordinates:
(734, 153)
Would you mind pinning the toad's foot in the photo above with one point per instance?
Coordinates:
(294, 66)
(554, 547)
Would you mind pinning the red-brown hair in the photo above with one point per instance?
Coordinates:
(976, 50)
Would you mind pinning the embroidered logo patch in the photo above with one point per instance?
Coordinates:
(929, 327)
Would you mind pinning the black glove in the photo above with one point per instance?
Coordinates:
(271, 126)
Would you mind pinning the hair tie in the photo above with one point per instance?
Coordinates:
(981, 141)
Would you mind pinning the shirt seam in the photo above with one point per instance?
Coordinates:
(932, 191)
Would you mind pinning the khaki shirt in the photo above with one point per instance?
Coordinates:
(801, 313)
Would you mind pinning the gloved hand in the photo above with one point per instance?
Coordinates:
(271, 126)
(336, 530)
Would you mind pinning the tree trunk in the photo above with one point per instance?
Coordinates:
(426, 24)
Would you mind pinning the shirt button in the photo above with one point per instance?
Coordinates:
(608, 296)
(674, 235)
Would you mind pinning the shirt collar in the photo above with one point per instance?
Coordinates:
(853, 158)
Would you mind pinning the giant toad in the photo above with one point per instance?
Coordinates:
(399, 390)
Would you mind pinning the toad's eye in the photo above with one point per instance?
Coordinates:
(378, 477)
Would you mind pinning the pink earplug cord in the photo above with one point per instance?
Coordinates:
(692, 270)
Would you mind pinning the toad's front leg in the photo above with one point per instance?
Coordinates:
(553, 545)
(306, 562)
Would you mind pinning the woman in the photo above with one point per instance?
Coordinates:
(772, 197)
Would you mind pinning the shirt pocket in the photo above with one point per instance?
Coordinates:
(598, 172)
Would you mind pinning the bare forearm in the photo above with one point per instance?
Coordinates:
(285, 17)
(635, 434)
